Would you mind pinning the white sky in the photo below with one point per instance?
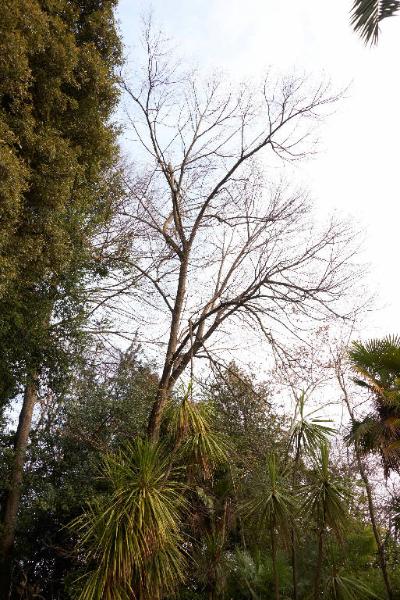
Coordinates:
(355, 171)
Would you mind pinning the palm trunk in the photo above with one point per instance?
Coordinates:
(371, 508)
(274, 565)
(294, 564)
(13, 497)
(292, 533)
(318, 569)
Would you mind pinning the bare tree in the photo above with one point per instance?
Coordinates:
(218, 245)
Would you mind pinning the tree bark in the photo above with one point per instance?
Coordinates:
(164, 387)
(13, 497)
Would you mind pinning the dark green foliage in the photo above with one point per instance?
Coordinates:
(367, 14)
(57, 92)
(377, 366)
(227, 551)
(101, 410)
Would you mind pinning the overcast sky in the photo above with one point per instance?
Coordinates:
(356, 172)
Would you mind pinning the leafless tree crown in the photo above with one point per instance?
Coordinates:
(216, 243)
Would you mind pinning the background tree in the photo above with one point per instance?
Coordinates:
(106, 405)
(215, 245)
(57, 92)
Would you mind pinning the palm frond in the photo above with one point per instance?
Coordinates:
(190, 428)
(308, 432)
(346, 587)
(272, 500)
(327, 496)
(367, 14)
(132, 533)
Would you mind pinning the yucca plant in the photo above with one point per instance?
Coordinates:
(273, 505)
(366, 16)
(327, 500)
(131, 534)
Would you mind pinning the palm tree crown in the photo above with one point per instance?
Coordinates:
(377, 365)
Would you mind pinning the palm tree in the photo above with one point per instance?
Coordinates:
(273, 505)
(367, 484)
(367, 14)
(307, 433)
(377, 365)
(327, 499)
(190, 430)
(131, 534)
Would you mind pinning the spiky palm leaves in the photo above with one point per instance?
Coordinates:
(377, 365)
(345, 587)
(189, 427)
(131, 534)
(273, 505)
(367, 14)
(308, 432)
(327, 499)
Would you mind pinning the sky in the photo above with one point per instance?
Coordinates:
(356, 170)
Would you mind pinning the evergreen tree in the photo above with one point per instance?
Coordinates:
(57, 93)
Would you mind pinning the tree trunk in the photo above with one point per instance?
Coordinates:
(13, 497)
(371, 509)
(294, 564)
(292, 532)
(318, 569)
(274, 565)
(153, 429)
(368, 490)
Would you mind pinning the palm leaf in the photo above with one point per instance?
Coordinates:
(190, 429)
(346, 587)
(272, 500)
(131, 534)
(327, 496)
(367, 14)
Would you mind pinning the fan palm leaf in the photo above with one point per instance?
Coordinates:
(377, 362)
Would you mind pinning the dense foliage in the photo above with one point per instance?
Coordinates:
(116, 482)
